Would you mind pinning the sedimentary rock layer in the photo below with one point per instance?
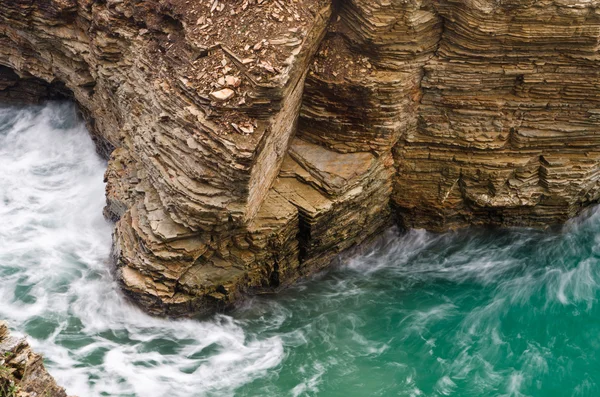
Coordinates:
(250, 141)
(507, 132)
(22, 372)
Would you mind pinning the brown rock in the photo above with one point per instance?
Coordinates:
(452, 113)
(222, 95)
(22, 370)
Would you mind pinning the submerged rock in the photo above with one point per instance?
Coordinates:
(252, 141)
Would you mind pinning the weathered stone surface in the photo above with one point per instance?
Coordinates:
(506, 132)
(342, 199)
(22, 372)
(255, 139)
(488, 106)
(201, 103)
(363, 90)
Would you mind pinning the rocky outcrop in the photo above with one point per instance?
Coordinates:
(22, 372)
(250, 141)
(507, 132)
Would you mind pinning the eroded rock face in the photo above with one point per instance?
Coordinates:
(22, 372)
(250, 141)
(507, 130)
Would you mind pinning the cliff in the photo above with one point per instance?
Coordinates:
(22, 372)
(250, 141)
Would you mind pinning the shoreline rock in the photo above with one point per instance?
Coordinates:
(250, 142)
(22, 372)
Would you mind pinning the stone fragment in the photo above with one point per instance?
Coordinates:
(222, 95)
(233, 81)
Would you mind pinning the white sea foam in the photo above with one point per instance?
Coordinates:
(54, 250)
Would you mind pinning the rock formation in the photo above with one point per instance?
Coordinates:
(250, 141)
(22, 372)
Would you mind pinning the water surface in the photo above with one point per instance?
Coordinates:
(471, 313)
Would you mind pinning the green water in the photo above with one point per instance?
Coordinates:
(471, 313)
(474, 313)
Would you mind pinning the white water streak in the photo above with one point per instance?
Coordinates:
(54, 250)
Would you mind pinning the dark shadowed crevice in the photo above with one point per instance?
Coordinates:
(17, 90)
(30, 90)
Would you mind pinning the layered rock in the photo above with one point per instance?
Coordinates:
(22, 372)
(362, 92)
(507, 131)
(342, 199)
(251, 141)
(201, 101)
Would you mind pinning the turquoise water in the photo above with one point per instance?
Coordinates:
(475, 313)
(471, 313)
